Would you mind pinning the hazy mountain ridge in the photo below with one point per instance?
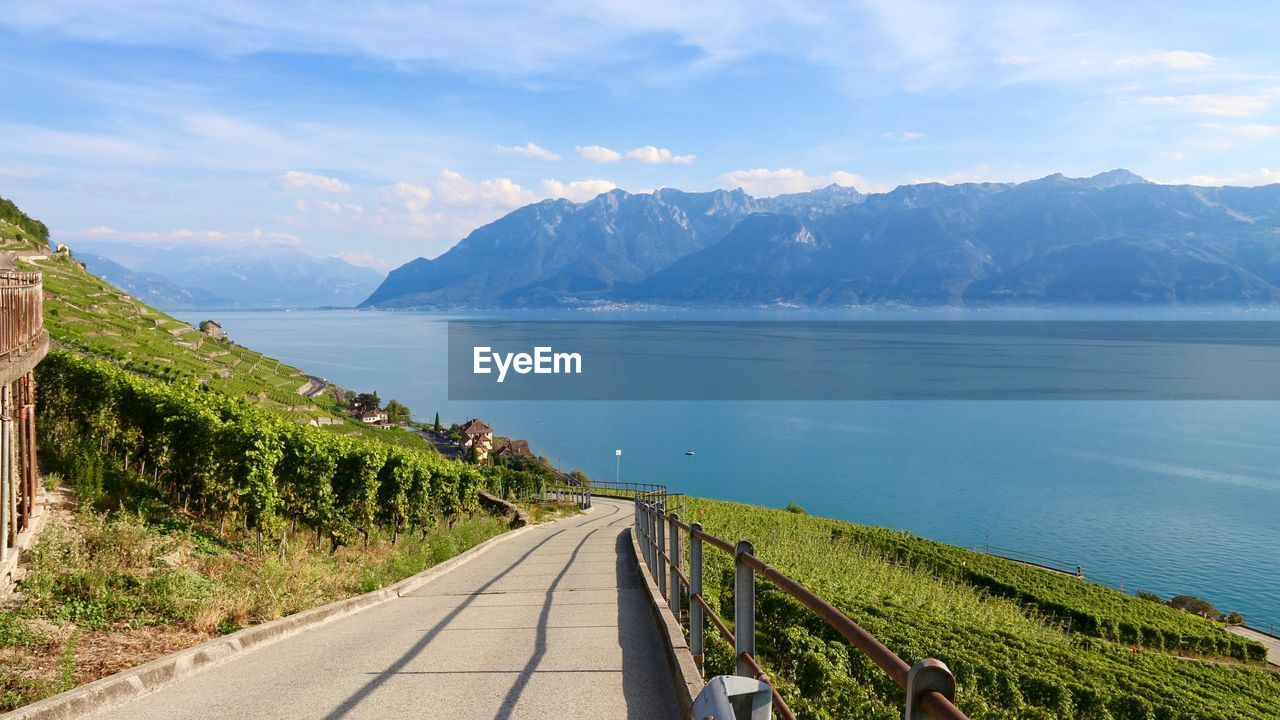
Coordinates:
(210, 276)
(151, 288)
(1112, 238)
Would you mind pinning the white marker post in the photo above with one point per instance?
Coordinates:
(617, 471)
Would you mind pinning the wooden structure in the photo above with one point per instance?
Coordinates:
(23, 344)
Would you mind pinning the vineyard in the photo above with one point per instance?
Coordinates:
(87, 315)
(221, 455)
(1013, 657)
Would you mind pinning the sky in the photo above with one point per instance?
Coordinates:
(384, 131)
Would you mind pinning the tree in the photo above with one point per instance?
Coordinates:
(437, 427)
(369, 400)
(1194, 605)
(398, 413)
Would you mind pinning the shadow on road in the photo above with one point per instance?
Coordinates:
(395, 668)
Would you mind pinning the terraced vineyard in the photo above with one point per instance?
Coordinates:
(1013, 656)
(86, 314)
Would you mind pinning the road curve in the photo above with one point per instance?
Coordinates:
(550, 624)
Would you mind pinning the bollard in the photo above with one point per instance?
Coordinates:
(660, 570)
(695, 589)
(744, 608)
(673, 582)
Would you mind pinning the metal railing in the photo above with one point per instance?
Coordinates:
(21, 310)
(579, 495)
(929, 685)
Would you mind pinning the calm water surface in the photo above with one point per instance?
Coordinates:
(1171, 497)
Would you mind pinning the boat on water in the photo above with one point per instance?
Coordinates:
(688, 452)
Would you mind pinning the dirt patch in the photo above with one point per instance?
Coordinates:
(103, 653)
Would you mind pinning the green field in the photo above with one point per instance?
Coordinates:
(1012, 634)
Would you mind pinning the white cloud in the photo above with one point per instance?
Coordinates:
(649, 154)
(454, 189)
(1252, 178)
(303, 180)
(577, 190)
(979, 174)
(364, 258)
(1251, 131)
(656, 155)
(1211, 104)
(1164, 60)
(904, 135)
(762, 182)
(598, 154)
(414, 198)
(194, 237)
(328, 206)
(528, 150)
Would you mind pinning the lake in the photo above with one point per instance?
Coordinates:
(1174, 497)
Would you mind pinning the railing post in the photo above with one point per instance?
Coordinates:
(648, 548)
(695, 591)
(924, 676)
(642, 527)
(660, 571)
(673, 554)
(653, 538)
(744, 608)
(644, 532)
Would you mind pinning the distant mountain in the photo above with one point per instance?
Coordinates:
(557, 251)
(151, 288)
(209, 276)
(1113, 238)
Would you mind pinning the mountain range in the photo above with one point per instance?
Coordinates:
(208, 276)
(1113, 238)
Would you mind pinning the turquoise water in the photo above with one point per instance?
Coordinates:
(1172, 497)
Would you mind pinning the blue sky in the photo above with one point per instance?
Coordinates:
(384, 131)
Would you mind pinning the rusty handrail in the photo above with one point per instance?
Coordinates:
(931, 701)
(21, 310)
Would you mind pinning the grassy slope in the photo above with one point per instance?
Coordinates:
(83, 312)
(1012, 659)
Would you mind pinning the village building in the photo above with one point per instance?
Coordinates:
(478, 437)
(508, 448)
(373, 416)
(212, 329)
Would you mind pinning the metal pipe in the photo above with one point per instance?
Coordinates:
(721, 627)
(673, 582)
(784, 710)
(695, 592)
(744, 607)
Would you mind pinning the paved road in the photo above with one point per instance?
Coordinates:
(550, 624)
(1272, 643)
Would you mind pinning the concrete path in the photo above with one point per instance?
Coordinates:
(1272, 643)
(551, 624)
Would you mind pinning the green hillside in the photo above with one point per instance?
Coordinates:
(86, 314)
(19, 232)
(1015, 636)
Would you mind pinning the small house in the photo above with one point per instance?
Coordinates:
(508, 448)
(213, 330)
(478, 436)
